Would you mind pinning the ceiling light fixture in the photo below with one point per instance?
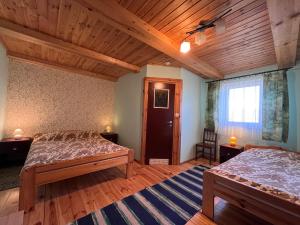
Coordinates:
(217, 23)
(185, 46)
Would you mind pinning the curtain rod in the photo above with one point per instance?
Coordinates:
(252, 74)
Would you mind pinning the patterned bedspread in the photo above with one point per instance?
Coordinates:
(68, 145)
(273, 171)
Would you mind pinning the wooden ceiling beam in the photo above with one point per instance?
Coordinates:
(285, 20)
(20, 32)
(114, 14)
(37, 61)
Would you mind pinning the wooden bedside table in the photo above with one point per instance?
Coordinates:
(14, 151)
(227, 151)
(113, 137)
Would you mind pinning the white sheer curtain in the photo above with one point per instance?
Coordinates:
(240, 108)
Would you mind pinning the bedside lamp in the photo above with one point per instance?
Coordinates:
(18, 133)
(232, 141)
(108, 129)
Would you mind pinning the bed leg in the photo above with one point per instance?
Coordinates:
(208, 195)
(27, 190)
(129, 166)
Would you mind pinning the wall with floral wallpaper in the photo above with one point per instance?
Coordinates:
(42, 99)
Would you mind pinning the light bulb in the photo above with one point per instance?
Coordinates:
(18, 133)
(185, 46)
(108, 129)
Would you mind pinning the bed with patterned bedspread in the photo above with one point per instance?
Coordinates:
(55, 147)
(62, 155)
(273, 171)
(265, 182)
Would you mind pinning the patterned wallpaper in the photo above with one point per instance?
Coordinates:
(42, 99)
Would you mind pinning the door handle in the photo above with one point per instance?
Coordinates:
(170, 122)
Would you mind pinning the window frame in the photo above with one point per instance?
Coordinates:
(244, 85)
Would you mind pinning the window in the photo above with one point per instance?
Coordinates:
(240, 107)
(244, 104)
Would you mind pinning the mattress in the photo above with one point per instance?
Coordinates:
(276, 172)
(68, 145)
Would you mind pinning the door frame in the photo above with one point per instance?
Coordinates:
(176, 117)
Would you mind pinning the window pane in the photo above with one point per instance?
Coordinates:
(244, 104)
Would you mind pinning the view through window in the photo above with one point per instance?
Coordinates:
(244, 104)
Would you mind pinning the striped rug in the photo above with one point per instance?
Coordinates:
(173, 201)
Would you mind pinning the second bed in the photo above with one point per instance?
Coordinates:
(264, 182)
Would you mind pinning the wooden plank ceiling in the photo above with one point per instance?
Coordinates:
(247, 42)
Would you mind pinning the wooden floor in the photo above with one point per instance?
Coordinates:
(65, 201)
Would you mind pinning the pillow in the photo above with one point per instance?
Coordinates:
(69, 135)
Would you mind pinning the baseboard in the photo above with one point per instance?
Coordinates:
(138, 161)
(189, 160)
(186, 161)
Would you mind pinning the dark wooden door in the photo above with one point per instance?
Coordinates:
(160, 114)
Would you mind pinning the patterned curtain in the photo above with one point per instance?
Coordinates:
(212, 104)
(275, 107)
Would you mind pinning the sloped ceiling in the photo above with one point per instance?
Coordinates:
(247, 42)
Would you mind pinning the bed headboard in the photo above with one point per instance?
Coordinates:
(249, 146)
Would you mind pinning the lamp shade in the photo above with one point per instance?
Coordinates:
(18, 133)
(108, 129)
(220, 26)
(232, 141)
(185, 46)
(200, 38)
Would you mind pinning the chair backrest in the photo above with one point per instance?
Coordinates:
(209, 136)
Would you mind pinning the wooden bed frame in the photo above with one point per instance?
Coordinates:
(266, 206)
(38, 175)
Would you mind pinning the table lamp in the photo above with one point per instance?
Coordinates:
(232, 141)
(18, 133)
(108, 129)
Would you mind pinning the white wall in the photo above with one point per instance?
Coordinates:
(298, 110)
(128, 110)
(129, 107)
(3, 86)
(191, 117)
(163, 71)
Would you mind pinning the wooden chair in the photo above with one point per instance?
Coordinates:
(209, 141)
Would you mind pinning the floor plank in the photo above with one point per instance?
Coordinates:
(64, 201)
(15, 218)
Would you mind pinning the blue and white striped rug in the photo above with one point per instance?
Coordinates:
(173, 201)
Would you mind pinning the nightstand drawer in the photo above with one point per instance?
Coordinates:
(110, 139)
(227, 152)
(14, 151)
(113, 137)
(16, 147)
